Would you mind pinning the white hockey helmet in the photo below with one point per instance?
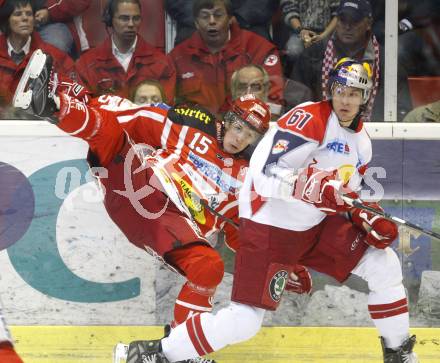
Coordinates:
(351, 73)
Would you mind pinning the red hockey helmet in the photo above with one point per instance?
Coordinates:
(250, 110)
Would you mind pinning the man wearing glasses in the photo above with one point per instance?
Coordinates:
(124, 59)
(206, 61)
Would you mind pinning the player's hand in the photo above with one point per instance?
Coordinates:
(323, 189)
(380, 231)
(299, 280)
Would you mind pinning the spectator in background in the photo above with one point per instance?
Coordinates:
(59, 23)
(181, 13)
(252, 16)
(148, 92)
(425, 113)
(253, 78)
(352, 38)
(17, 43)
(309, 21)
(418, 42)
(124, 59)
(205, 62)
(250, 79)
(255, 16)
(7, 352)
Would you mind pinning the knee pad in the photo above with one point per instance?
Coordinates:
(383, 269)
(206, 267)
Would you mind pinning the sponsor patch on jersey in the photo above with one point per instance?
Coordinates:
(222, 179)
(280, 146)
(339, 146)
(271, 60)
(277, 285)
(191, 199)
(194, 113)
(345, 172)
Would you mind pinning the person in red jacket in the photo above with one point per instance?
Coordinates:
(125, 59)
(59, 23)
(206, 61)
(18, 42)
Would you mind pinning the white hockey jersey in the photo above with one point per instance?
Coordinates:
(308, 135)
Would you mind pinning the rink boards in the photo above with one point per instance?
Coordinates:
(66, 265)
(278, 345)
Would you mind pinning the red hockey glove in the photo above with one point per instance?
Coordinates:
(381, 231)
(322, 189)
(299, 280)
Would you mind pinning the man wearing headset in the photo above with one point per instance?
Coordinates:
(295, 208)
(124, 59)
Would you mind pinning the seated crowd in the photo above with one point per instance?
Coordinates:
(281, 50)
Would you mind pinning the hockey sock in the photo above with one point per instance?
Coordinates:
(192, 299)
(204, 269)
(204, 333)
(389, 310)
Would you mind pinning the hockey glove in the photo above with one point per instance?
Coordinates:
(380, 231)
(323, 189)
(299, 280)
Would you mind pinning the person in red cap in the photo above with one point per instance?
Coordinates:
(171, 175)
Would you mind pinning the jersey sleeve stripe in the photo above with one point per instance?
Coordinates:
(181, 141)
(165, 133)
(141, 113)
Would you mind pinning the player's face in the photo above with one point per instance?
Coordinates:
(213, 25)
(126, 21)
(147, 94)
(346, 102)
(21, 21)
(238, 136)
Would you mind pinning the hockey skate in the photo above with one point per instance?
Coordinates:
(145, 351)
(33, 93)
(405, 353)
(120, 352)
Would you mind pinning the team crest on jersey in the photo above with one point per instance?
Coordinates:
(271, 60)
(339, 146)
(277, 285)
(280, 146)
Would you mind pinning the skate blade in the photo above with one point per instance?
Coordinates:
(22, 98)
(120, 352)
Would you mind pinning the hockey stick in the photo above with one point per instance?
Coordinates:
(358, 204)
(221, 216)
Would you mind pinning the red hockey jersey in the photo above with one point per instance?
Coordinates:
(181, 147)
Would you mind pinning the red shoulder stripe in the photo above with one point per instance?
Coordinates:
(308, 120)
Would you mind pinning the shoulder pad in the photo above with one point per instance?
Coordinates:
(308, 120)
(193, 116)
